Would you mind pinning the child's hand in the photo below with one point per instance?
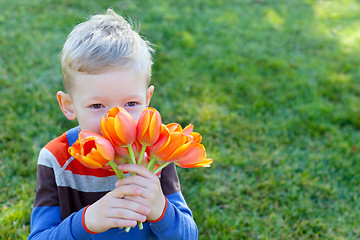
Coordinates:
(113, 210)
(151, 192)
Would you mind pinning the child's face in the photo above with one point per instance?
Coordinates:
(92, 95)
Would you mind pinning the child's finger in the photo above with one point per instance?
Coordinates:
(120, 223)
(138, 199)
(137, 169)
(126, 190)
(136, 181)
(129, 210)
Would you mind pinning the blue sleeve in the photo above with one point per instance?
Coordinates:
(177, 223)
(46, 223)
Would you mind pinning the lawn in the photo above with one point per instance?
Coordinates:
(272, 85)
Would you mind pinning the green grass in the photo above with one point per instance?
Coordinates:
(273, 87)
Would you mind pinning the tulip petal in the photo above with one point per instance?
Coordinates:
(92, 150)
(119, 127)
(195, 156)
(196, 137)
(179, 152)
(174, 127)
(125, 129)
(149, 126)
(105, 148)
(142, 124)
(108, 130)
(176, 139)
(122, 152)
(90, 163)
(96, 156)
(154, 128)
(75, 149)
(161, 143)
(112, 112)
(103, 123)
(88, 145)
(188, 129)
(204, 163)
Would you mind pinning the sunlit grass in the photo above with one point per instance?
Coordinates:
(340, 19)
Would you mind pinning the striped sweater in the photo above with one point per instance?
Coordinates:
(65, 187)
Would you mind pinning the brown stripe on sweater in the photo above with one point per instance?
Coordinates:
(46, 189)
(169, 180)
(72, 200)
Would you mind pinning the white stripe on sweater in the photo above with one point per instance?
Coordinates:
(66, 178)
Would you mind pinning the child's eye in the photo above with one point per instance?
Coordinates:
(131, 104)
(96, 106)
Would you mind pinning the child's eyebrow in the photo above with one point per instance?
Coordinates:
(134, 96)
(91, 98)
(124, 98)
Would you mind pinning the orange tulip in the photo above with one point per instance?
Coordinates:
(119, 127)
(162, 142)
(149, 126)
(174, 127)
(193, 156)
(183, 148)
(92, 150)
(167, 144)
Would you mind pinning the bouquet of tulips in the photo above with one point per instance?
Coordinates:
(148, 142)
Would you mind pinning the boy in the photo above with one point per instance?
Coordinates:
(105, 64)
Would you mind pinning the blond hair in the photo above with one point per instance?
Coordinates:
(105, 41)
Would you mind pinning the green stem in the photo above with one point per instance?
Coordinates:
(161, 167)
(118, 173)
(132, 156)
(140, 224)
(141, 154)
(151, 163)
(152, 166)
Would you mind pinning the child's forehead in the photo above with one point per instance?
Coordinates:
(110, 80)
(112, 73)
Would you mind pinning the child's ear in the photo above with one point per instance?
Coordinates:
(149, 93)
(66, 105)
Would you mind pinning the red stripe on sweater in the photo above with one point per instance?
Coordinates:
(77, 168)
(59, 148)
